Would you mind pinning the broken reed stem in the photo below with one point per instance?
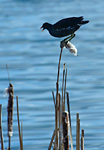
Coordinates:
(1, 133)
(50, 145)
(82, 140)
(59, 68)
(60, 123)
(57, 103)
(77, 132)
(21, 130)
(63, 107)
(68, 106)
(53, 98)
(55, 131)
(65, 87)
(20, 136)
(65, 122)
(10, 113)
(56, 118)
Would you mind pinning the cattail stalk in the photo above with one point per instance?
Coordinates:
(63, 106)
(50, 145)
(20, 135)
(56, 118)
(78, 133)
(68, 106)
(10, 113)
(1, 134)
(60, 122)
(65, 87)
(65, 122)
(53, 98)
(59, 68)
(82, 140)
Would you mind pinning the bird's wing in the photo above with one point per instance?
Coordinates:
(65, 28)
(67, 22)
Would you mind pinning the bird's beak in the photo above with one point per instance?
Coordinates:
(42, 29)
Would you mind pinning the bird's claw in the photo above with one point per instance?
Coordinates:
(64, 42)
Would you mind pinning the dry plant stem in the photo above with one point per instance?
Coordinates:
(82, 140)
(20, 138)
(56, 108)
(59, 68)
(65, 122)
(9, 148)
(60, 122)
(65, 87)
(68, 106)
(63, 107)
(78, 133)
(55, 131)
(50, 145)
(21, 130)
(1, 134)
(53, 98)
(56, 118)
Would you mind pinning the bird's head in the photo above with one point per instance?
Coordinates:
(45, 26)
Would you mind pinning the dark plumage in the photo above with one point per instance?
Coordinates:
(65, 26)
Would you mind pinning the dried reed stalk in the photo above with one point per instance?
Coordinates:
(65, 87)
(59, 68)
(20, 135)
(65, 121)
(50, 145)
(1, 134)
(56, 118)
(82, 140)
(53, 98)
(22, 132)
(57, 103)
(63, 106)
(10, 113)
(55, 133)
(68, 106)
(60, 122)
(77, 132)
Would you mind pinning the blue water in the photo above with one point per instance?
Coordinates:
(32, 57)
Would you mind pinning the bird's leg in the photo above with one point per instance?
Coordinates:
(64, 42)
(69, 38)
(73, 35)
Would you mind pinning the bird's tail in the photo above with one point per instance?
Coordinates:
(84, 22)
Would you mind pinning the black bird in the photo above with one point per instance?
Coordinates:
(64, 27)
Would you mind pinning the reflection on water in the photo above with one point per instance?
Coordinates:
(32, 57)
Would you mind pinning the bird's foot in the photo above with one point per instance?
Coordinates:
(64, 42)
